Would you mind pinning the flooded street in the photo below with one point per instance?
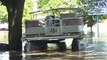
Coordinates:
(95, 51)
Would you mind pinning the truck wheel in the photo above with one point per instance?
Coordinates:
(35, 45)
(27, 47)
(75, 45)
(42, 45)
(61, 46)
(38, 45)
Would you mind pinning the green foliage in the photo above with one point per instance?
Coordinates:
(49, 4)
(41, 3)
(3, 14)
(28, 7)
(53, 4)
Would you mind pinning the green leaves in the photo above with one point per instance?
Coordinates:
(49, 4)
(41, 3)
(3, 14)
(28, 7)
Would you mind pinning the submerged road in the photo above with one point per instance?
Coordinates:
(95, 51)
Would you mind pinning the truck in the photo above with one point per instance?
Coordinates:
(55, 29)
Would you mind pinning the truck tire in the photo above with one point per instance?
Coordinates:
(75, 45)
(27, 47)
(43, 46)
(35, 45)
(61, 46)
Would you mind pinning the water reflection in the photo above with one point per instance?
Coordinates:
(15, 55)
(10, 56)
(94, 51)
(4, 55)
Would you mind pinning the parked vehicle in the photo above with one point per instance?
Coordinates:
(55, 30)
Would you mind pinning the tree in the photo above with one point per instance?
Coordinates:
(42, 3)
(15, 12)
(28, 7)
(3, 14)
(49, 4)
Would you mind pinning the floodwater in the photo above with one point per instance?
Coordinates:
(94, 51)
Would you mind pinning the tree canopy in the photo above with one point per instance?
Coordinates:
(28, 7)
(29, 4)
(49, 4)
(3, 14)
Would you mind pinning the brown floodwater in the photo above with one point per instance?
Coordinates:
(95, 51)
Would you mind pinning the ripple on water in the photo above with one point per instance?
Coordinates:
(95, 51)
(4, 55)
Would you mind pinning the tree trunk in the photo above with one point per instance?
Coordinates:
(15, 12)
